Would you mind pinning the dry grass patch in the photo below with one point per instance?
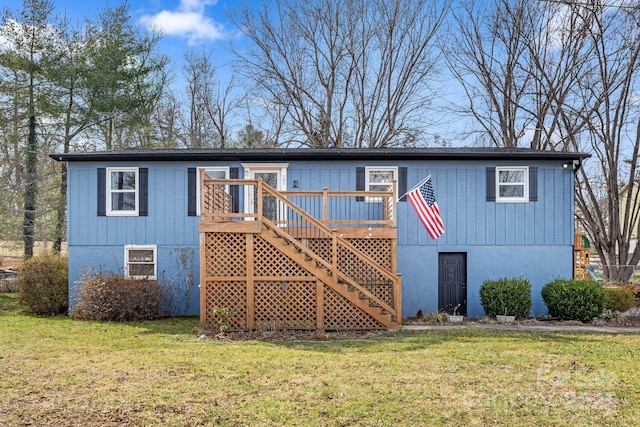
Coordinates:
(61, 372)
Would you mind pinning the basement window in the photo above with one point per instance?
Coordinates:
(140, 261)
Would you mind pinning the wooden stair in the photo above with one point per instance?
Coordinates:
(323, 271)
(270, 273)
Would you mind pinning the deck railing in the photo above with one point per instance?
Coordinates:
(334, 209)
(316, 220)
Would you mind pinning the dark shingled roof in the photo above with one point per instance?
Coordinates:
(319, 154)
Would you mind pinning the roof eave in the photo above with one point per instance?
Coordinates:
(316, 154)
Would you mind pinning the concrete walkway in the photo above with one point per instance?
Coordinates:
(537, 328)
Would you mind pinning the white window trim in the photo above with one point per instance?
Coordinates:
(525, 197)
(128, 248)
(200, 170)
(367, 183)
(281, 168)
(250, 169)
(109, 210)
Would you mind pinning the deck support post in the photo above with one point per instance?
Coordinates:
(319, 304)
(397, 300)
(334, 254)
(203, 282)
(251, 311)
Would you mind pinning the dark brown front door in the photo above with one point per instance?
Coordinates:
(452, 282)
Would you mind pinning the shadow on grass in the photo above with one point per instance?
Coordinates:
(403, 341)
(166, 326)
(177, 326)
(409, 341)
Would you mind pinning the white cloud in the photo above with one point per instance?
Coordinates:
(188, 20)
(195, 5)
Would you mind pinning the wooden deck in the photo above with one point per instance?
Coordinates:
(272, 264)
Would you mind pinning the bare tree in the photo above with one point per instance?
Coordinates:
(561, 76)
(197, 71)
(220, 105)
(347, 73)
(210, 102)
(166, 117)
(265, 124)
(611, 132)
(518, 61)
(12, 119)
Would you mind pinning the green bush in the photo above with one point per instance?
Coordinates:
(42, 285)
(574, 299)
(505, 296)
(619, 299)
(111, 297)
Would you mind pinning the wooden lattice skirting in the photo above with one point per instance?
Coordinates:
(260, 287)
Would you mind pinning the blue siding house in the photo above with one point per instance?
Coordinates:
(506, 212)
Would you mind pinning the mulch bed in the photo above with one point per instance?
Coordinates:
(630, 320)
(313, 335)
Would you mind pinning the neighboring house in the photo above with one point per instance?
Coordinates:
(506, 212)
(625, 194)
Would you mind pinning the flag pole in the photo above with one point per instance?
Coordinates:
(415, 186)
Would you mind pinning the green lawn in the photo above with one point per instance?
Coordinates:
(65, 372)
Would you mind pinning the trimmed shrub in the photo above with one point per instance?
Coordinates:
(110, 297)
(42, 285)
(619, 299)
(505, 296)
(574, 299)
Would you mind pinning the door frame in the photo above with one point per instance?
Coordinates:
(250, 171)
(464, 295)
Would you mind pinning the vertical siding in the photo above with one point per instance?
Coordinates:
(471, 220)
(460, 191)
(167, 222)
(499, 238)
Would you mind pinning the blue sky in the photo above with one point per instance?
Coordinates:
(185, 24)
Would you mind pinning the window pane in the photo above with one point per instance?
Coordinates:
(270, 178)
(511, 191)
(123, 180)
(511, 176)
(141, 255)
(376, 176)
(123, 201)
(385, 187)
(216, 174)
(140, 269)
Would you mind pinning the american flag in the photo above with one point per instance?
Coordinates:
(424, 202)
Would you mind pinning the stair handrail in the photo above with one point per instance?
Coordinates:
(383, 271)
(383, 305)
(261, 186)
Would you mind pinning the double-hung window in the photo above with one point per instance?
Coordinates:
(122, 191)
(512, 184)
(213, 173)
(379, 178)
(140, 261)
